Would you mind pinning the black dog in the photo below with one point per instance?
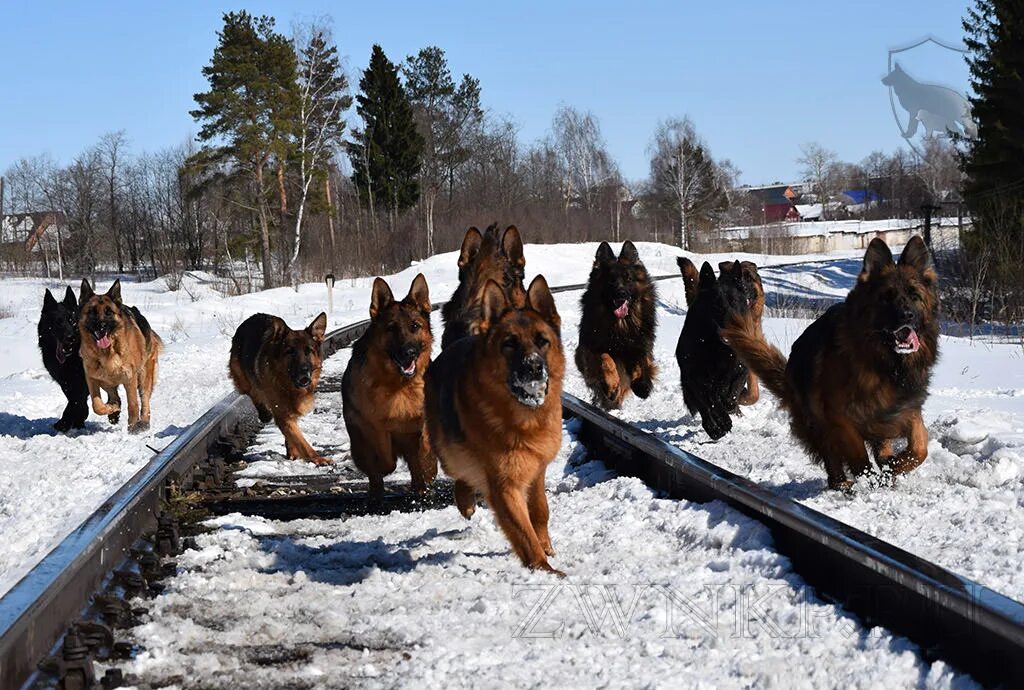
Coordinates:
(59, 341)
(617, 327)
(712, 376)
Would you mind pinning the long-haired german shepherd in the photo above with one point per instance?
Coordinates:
(382, 389)
(617, 328)
(494, 415)
(118, 349)
(749, 283)
(859, 373)
(279, 369)
(483, 257)
(59, 343)
(711, 375)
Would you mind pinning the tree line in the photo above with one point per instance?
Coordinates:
(295, 172)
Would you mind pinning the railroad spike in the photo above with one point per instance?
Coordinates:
(76, 670)
(113, 678)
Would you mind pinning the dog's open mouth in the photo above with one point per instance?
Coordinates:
(907, 341)
(62, 352)
(531, 393)
(103, 341)
(622, 310)
(408, 369)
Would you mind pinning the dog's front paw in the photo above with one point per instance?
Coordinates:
(138, 427)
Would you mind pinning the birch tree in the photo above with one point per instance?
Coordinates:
(323, 99)
(684, 174)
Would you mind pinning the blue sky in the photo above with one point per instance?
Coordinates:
(758, 79)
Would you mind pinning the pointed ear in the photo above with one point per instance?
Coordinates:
(86, 293)
(629, 254)
(707, 277)
(318, 327)
(470, 246)
(114, 292)
(419, 294)
(916, 256)
(69, 298)
(494, 304)
(737, 270)
(539, 297)
(876, 258)
(512, 245)
(604, 255)
(48, 301)
(724, 267)
(691, 279)
(381, 297)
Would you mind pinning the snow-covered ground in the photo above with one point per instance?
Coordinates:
(428, 599)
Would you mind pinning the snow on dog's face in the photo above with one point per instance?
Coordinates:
(525, 344)
(403, 328)
(620, 280)
(904, 311)
(102, 316)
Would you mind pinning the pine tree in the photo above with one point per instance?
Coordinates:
(994, 161)
(448, 116)
(249, 113)
(386, 154)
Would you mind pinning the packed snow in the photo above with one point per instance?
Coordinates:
(429, 599)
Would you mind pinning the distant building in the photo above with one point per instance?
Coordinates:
(776, 202)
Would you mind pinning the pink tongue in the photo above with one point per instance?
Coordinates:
(103, 343)
(410, 370)
(623, 310)
(911, 343)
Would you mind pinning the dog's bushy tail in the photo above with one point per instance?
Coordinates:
(744, 336)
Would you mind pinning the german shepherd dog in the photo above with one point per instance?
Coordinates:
(753, 290)
(859, 373)
(617, 328)
(118, 349)
(382, 389)
(494, 415)
(483, 257)
(59, 342)
(279, 370)
(711, 375)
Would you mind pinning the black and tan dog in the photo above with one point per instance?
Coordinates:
(382, 389)
(860, 373)
(494, 415)
(59, 343)
(279, 369)
(118, 349)
(483, 257)
(753, 295)
(617, 328)
(712, 377)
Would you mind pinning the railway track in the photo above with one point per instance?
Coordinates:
(67, 611)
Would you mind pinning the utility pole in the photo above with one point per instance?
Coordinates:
(928, 208)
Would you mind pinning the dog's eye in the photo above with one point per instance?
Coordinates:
(509, 343)
(415, 326)
(540, 341)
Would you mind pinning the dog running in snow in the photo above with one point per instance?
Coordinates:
(617, 328)
(860, 373)
(382, 389)
(59, 344)
(279, 369)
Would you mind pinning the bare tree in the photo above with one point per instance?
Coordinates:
(816, 162)
(684, 174)
(586, 162)
(323, 99)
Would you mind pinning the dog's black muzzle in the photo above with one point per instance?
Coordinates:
(405, 359)
(528, 380)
